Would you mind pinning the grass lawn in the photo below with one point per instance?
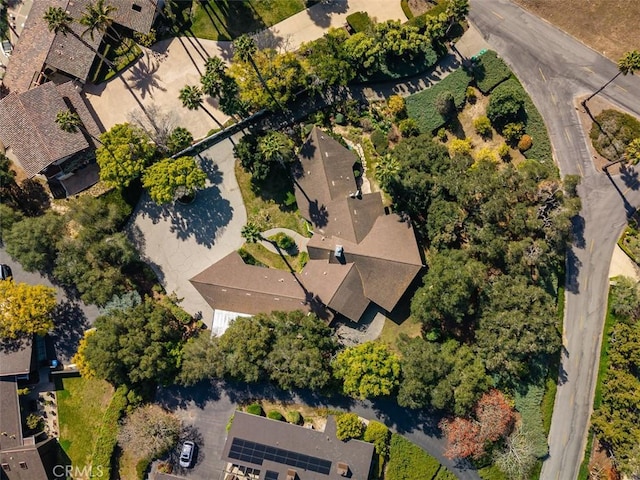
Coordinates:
(266, 207)
(392, 330)
(81, 406)
(227, 19)
(274, 260)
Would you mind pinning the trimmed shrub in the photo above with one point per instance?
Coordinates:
(380, 141)
(179, 139)
(406, 459)
(482, 126)
(295, 417)
(613, 132)
(349, 426)
(397, 106)
(525, 143)
(471, 94)
(408, 128)
(459, 146)
(506, 103)
(284, 241)
(444, 104)
(504, 152)
(512, 132)
(359, 21)
(490, 71)
(486, 155)
(421, 106)
(339, 119)
(255, 409)
(378, 434)
(275, 415)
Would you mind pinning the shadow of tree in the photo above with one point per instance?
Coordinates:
(573, 269)
(577, 231)
(321, 13)
(143, 76)
(630, 177)
(204, 218)
(70, 324)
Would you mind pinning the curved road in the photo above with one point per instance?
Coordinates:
(555, 68)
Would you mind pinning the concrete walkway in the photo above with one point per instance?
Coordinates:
(301, 242)
(621, 264)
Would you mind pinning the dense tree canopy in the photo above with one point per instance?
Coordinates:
(367, 370)
(137, 346)
(125, 152)
(170, 179)
(32, 241)
(447, 376)
(25, 309)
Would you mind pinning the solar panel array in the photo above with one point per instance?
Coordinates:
(256, 453)
(271, 475)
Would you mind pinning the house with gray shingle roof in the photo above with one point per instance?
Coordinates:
(359, 255)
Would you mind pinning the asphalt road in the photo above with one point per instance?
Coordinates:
(555, 68)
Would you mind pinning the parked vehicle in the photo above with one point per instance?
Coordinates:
(186, 455)
(5, 272)
(7, 48)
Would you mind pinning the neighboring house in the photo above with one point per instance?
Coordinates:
(41, 55)
(35, 142)
(30, 458)
(358, 255)
(258, 448)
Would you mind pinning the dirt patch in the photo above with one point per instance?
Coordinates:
(315, 418)
(465, 129)
(597, 23)
(418, 7)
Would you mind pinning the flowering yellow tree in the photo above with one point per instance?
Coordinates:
(25, 309)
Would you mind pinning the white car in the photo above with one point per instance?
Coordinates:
(186, 455)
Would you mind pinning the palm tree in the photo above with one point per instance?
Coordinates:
(245, 46)
(214, 77)
(251, 233)
(59, 21)
(70, 122)
(629, 63)
(275, 146)
(97, 17)
(191, 98)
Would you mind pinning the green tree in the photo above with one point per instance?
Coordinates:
(59, 21)
(170, 179)
(179, 139)
(629, 63)
(505, 103)
(201, 359)
(632, 152)
(97, 17)
(447, 376)
(245, 49)
(137, 347)
(276, 147)
(451, 290)
(301, 351)
(125, 152)
(349, 426)
(7, 175)
(245, 347)
(518, 326)
(445, 104)
(367, 370)
(191, 98)
(26, 309)
(378, 434)
(8, 217)
(251, 233)
(386, 170)
(328, 58)
(32, 241)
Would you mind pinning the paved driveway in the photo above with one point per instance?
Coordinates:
(180, 241)
(153, 83)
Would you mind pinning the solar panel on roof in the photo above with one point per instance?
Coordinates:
(256, 453)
